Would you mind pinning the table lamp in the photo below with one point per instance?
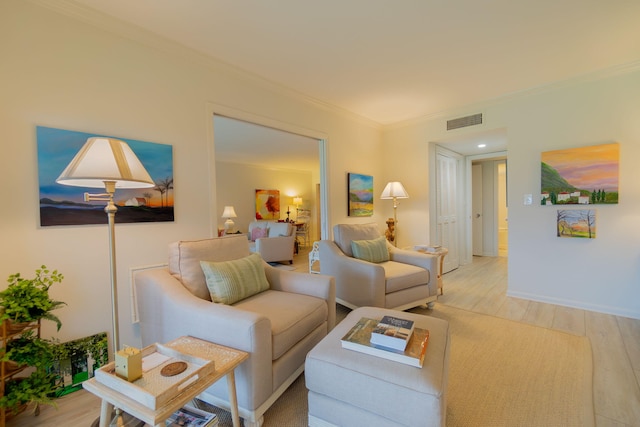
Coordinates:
(229, 225)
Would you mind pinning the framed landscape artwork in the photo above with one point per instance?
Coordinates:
(267, 204)
(360, 192)
(579, 223)
(76, 361)
(585, 175)
(65, 205)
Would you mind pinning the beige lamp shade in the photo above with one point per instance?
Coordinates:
(229, 212)
(297, 201)
(105, 159)
(394, 189)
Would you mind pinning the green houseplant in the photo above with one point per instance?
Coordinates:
(23, 302)
(28, 350)
(28, 300)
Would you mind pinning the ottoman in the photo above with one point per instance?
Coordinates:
(349, 388)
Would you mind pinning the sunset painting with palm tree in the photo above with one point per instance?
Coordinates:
(65, 205)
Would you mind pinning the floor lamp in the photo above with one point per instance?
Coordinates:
(110, 164)
(394, 190)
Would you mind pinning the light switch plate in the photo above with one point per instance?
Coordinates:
(528, 199)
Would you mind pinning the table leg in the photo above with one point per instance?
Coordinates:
(105, 413)
(233, 399)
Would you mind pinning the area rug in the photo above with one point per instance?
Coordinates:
(501, 373)
(507, 373)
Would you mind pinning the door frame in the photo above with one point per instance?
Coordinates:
(323, 147)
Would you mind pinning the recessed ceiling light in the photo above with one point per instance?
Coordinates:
(482, 145)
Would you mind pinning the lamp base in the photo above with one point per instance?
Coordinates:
(390, 232)
(229, 227)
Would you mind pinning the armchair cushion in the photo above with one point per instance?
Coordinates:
(279, 229)
(292, 316)
(258, 233)
(371, 250)
(343, 234)
(403, 276)
(185, 257)
(233, 281)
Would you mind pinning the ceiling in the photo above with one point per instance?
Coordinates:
(247, 143)
(392, 61)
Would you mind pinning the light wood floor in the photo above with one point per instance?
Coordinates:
(481, 287)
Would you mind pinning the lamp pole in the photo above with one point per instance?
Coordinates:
(110, 209)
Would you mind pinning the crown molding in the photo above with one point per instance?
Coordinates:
(140, 35)
(593, 76)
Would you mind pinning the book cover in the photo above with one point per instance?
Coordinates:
(392, 332)
(190, 416)
(359, 336)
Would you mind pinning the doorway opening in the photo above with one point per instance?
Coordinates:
(291, 158)
(476, 229)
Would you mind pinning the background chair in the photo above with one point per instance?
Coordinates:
(276, 241)
(408, 279)
(278, 326)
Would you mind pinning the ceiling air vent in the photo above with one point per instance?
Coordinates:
(475, 119)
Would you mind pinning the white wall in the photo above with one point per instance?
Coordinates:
(601, 274)
(237, 184)
(76, 73)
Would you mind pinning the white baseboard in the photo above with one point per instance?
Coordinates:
(317, 422)
(616, 311)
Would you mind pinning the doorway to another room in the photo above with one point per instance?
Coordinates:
(468, 202)
(252, 153)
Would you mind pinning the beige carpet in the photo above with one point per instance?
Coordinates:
(506, 373)
(502, 373)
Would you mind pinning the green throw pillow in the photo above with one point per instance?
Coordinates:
(371, 250)
(232, 281)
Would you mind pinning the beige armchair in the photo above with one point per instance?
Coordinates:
(277, 241)
(408, 279)
(277, 326)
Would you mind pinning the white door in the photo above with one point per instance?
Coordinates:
(447, 212)
(476, 210)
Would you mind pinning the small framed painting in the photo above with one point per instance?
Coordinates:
(576, 223)
(76, 361)
(360, 192)
(267, 204)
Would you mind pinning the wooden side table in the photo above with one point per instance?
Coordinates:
(226, 360)
(441, 253)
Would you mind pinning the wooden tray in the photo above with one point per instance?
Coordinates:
(153, 390)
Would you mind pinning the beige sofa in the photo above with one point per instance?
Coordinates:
(278, 243)
(408, 279)
(278, 327)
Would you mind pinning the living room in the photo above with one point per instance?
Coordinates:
(69, 67)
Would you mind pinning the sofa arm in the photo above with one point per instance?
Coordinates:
(315, 285)
(167, 310)
(358, 282)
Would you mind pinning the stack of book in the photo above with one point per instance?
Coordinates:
(190, 416)
(428, 248)
(391, 338)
